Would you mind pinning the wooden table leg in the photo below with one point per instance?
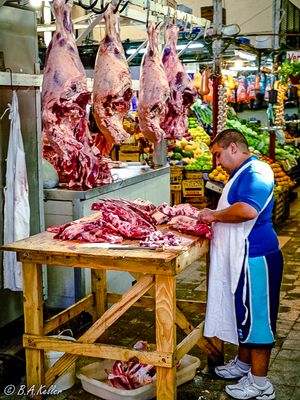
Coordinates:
(165, 310)
(100, 292)
(33, 320)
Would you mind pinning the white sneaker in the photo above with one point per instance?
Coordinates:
(231, 370)
(247, 389)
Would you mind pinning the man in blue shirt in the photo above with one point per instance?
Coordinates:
(245, 268)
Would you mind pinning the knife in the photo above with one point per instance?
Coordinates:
(112, 246)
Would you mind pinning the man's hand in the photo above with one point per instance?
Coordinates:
(238, 212)
(207, 215)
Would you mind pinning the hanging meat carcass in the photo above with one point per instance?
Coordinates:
(183, 93)
(154, 90)
(112, 90)
(67, 141)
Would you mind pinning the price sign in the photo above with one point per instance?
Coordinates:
(293, 55)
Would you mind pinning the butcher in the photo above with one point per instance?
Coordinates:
(245, 268)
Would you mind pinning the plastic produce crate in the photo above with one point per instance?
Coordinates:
(93, 375)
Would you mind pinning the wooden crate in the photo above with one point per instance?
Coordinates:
(130, 157)
(176, 175)
(192, 188)
(171, 3)
(198, 201)
(281, 209)
(176, 194)
(193, 174)
(176, 188)
(130, 148)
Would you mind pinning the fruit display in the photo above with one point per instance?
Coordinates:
(197, 132)
(185, 152)
(219, 175)
(281, 178)
(259, 140)
(203, 163)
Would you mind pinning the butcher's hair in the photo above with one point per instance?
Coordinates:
(228, 136)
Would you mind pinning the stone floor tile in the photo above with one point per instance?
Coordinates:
(294, 304)
(291, 344)
(286, 371)
(284, 393)
(290, 315)
(296, 394)
(296, 326)
(287, 354)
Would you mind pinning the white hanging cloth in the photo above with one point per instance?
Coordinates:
(16, 201)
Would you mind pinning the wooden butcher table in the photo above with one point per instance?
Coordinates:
(152, 269)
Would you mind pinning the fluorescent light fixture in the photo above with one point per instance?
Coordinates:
(241, 68)
(191, 46)
(238, 64)
(178, 47)
(131, 51)
(35, 3)
(244, 55)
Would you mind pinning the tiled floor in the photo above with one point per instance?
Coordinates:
(285, 361)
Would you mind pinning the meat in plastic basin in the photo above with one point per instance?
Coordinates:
(93, 375)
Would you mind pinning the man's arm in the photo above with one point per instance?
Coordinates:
(237, 212)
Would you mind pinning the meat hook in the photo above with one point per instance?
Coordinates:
(90, 7)
(175, 17)
(102, 9)
(123, 7)
(148, 13)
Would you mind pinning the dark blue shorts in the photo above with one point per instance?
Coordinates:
(257, 301)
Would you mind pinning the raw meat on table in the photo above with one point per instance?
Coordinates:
(191, 226)
(115, 221)
(112, 85)
(179, 209)
(182, 91)
(154, 90)
(160, 239)
(95, 231)
(131, 224)
(119, 219)
(67, 142)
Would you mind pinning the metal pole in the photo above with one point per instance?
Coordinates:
(276, 24)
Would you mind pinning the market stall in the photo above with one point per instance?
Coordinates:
(156, 269)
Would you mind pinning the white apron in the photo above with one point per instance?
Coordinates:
(228, 249)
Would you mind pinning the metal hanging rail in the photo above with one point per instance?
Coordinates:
(136, 11)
